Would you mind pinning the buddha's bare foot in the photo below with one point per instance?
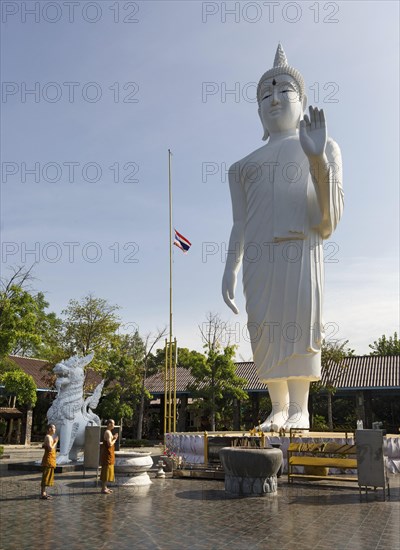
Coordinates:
(63, 459)
(297, 421)
(274, 422)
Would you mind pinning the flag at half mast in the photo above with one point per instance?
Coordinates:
(182, 242)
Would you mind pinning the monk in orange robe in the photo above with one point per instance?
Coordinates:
(108, 457)
(49, 460)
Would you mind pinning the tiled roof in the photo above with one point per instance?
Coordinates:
(40, 370)
(249, 372)
(10, 412)
(361, 372)
(35, 368)
(155, 383)
(367, 372)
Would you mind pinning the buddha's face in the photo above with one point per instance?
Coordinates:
(280, 106)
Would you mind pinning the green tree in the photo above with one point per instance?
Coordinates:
(92, 324)
(145, 364)
(47, 326)
(89, 325)
(6, 365)
(20, 389)
(125, 370)
(17, 312)
(186, 358)
(120, 367)
(386, 346)
(216, 382)
(333, 353)
(25, 326)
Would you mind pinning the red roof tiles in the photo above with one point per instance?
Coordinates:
(40, 371)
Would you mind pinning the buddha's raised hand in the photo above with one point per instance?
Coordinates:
(313, 132)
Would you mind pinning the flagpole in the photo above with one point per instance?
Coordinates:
(171, 347)
(165, 390)
(170, 293)
(170, 245)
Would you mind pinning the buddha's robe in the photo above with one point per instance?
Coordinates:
(283, 264)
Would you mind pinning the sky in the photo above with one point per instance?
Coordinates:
(95, 93)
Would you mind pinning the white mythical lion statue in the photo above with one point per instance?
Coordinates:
(69, 411)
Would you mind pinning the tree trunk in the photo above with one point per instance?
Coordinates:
(12, 402)
(28, 426)
(10, 430)
(18, 434)
(212, 402)
(140, 418)
(330, 419)
(212, 408)
(213, 420)
(236, 415)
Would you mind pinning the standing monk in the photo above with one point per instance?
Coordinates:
(108, 457)
(49, 460)
(286, 198)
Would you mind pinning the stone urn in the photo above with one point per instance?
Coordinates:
(131, 468)
(250, 471)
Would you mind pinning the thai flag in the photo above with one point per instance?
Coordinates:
(181, 242)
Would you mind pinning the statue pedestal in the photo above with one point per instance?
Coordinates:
(131, 468)
(249, 471)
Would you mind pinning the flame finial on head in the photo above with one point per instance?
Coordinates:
(281, 66)
(280, 57)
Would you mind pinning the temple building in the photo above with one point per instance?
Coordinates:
(370, 385)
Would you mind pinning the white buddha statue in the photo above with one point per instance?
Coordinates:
(286, 198)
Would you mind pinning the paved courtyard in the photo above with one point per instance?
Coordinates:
(192, 514)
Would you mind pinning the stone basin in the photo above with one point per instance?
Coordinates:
(131, 468)
(250, 471)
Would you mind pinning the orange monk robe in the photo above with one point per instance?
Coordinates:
(107, 462)
(48, 465)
